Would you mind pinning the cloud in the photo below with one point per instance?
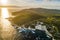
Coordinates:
(36, 3)
(41, 3)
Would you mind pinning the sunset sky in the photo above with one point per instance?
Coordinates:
(55, 4)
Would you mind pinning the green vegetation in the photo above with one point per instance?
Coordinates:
(29, 16)
(26, 16)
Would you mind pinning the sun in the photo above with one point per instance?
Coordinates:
(4, 13)
(4, 2)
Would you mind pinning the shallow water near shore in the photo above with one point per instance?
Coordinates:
(7, 31)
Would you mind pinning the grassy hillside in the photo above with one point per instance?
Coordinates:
(28, 15)
(50, 17)
(40, 11)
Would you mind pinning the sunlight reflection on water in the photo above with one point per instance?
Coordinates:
(7, 32)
